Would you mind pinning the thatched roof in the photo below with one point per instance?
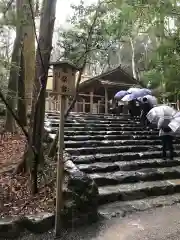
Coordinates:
(113, 78)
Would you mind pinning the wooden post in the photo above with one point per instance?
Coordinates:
(67, 103)
(106, 100)
(91, 102)
(62, 74)
(76, 106)
(84, 105)
(60, 169)
(98, 107)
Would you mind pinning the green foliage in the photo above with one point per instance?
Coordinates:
(152, 25)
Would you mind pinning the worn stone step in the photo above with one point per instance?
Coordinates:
(97, 132)
(121, 208)
(107, 137)
(94, 130)
(140, 190)
(113, 149)
(88, 116)
(97, 126)
(127, 166)
(90, 120)
(93, 143)
(115, 157)
(144, 175)
(93, 122)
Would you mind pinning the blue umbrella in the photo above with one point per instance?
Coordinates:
(120, 94)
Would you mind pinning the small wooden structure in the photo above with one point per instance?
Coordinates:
(64, 76)
(94, 93)
(102, 88)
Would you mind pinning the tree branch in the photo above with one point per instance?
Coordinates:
(52, 150)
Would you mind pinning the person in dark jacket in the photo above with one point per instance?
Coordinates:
(166, 136)
(145, 108)
(132, 108)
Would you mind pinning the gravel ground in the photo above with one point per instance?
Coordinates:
(157, 224)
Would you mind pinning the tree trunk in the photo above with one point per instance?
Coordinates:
(28, 51)
(13, 77)
(21, 109)
(41, 74)
(133, 58)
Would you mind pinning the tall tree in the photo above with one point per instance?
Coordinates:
(14, 71)
(43, 54)
(28, 49)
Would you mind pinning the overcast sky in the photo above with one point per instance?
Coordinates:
(63, 9)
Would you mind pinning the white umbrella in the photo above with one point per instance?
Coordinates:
(161, 111)
(151, 99)
(175, 123)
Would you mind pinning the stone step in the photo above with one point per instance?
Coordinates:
(93, 143)
(102, 130)
(94, 122)
(115, 157)
(127, 166)
(85, 116)
(145, 175)
(87, 119)
(140, 190)
(115, 149)
(97, 126)
(97, 132)
(119, 208)
(107, 137)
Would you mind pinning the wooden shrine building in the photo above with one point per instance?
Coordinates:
(100, 89)
(95, 93)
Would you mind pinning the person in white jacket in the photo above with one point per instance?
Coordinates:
(166, 135)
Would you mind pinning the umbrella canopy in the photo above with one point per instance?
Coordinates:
(132, 90)
(120, 94)
(139, 93)
(151, 99)
(162, 111)
(128, 98)
(175, 123)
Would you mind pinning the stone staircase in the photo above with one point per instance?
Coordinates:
(122, 157)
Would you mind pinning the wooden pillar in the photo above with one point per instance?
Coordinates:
(106, 100)
(84, 105)
(76, 106)
(91, 102)
(67, 103)
(98, 106)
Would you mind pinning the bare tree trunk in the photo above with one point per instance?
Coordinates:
(40, 81)
(28, 51)
(13, 77)
(21, 108)
(133, 58)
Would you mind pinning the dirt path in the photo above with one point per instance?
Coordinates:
(157, 224)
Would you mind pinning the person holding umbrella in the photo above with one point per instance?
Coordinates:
(162, 116)
(146, 106)
(166, 135)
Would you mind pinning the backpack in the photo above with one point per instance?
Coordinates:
(166, 129)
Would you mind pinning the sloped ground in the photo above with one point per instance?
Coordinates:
(15, 196)
(16, 199)
(157, 224)
(11, 150)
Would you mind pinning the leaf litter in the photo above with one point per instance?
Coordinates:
(15, 196)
